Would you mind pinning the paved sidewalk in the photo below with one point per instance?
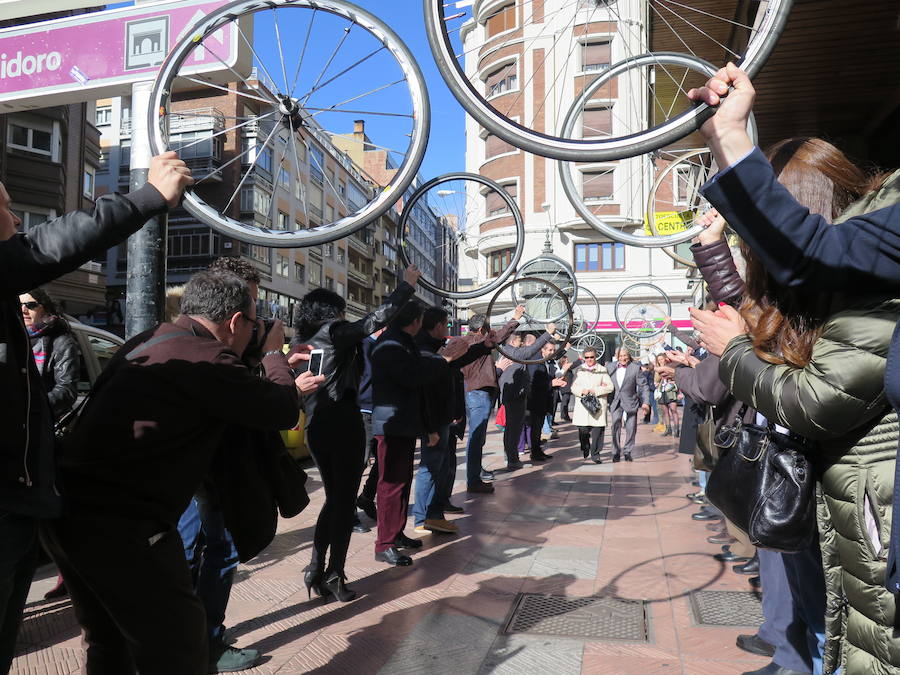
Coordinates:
(568, 528)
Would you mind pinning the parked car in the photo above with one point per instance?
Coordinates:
(97, 347)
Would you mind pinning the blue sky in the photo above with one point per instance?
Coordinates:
(446, 146)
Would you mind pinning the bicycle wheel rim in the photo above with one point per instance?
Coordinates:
(342, 227)
(518, 227)
(564, 281)
(590, 321)
(558, 147)
(557, 291)
(617, 309)
(566, 169)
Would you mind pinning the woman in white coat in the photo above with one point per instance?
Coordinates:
(591, 378)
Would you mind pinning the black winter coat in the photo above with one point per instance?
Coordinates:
(28, 260)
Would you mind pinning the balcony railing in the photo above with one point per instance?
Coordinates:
(359, 275)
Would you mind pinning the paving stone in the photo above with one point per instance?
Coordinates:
(518, 654)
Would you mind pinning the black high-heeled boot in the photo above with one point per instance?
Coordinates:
(334, 584)
(312, 575)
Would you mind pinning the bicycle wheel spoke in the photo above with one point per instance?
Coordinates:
(280, 49)
(252, 166)
(346, 70)
(331, 58)
(309, 27)
(228, 130)
(710, 14)
(361, 112)
(240, 77)
(238, 92)
(261, 63)
(698, 29)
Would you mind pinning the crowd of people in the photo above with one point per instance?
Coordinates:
(173, 471)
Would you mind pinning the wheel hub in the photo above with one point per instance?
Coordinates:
(290, 108)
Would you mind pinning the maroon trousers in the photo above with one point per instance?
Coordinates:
(395, 472)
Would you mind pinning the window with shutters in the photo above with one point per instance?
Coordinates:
(503, 19)
(595, 56)
(502, 80)
(597, 185)
(494, 146)
(495, 205)
(596, 122)
(603, 257)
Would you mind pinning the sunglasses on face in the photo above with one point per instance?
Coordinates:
(31, 305)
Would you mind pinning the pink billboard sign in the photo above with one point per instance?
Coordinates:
(101, 54)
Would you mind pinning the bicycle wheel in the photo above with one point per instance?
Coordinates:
(511, 64)
(560, 274)
(465, 201)
(589, 187)
(590, 311)
(530, 288)
(679, 201)
(289, 130)
(642, 311)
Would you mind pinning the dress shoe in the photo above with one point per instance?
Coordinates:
(616, 458)
(717, 527)
(393, 557)
(596, 459)
(514, 466)
(705, 514)
(628, 457)
(402, 541)
(359, 528)
(480, 488)
(700, 501)
(693, 495)
(730, 557)
(368, 507)
(750, 568)
(755, 645)
(538, 458)
(722, 538)
(773, 669)
(755, 582)
(226, 659)
(58, 591)
(486, 475)
(452, 508)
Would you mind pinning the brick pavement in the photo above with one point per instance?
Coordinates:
(565, 528)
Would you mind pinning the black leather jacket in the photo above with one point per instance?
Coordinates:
(342, 361)
(27, 261)
(60, 370)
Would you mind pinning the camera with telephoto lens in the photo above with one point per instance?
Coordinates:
(254, 351)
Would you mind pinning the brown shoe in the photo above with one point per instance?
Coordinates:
(480, 488)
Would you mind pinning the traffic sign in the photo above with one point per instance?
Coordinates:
(102, 54)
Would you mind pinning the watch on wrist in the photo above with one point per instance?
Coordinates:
(271, 352)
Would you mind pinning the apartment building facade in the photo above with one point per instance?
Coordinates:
(507, 44)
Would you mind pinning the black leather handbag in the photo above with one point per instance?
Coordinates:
(591, 403)
(764, 484)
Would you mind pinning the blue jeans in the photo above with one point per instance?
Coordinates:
(702, 478)
(654, 410)
(478, 410)
(431, 480)
(806, 580)
(212, 561)
(18, 553)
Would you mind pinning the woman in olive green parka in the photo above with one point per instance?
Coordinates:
(835, 396)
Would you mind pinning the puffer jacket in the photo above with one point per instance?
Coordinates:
(59, 370)
(29, 260)
(838, 400)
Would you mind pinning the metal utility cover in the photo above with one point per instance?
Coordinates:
(726, 608)
(591, 618)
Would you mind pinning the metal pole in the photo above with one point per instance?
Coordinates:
(145, 289)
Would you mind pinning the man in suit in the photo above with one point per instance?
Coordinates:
(630, 392)
(541, 397)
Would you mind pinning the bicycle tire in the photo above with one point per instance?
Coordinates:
(517, 223)
(560, 147)
(557, 290)
(343, 227)
(619, 320)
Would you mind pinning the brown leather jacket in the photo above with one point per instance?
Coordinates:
(716, 264)
(482, 374)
